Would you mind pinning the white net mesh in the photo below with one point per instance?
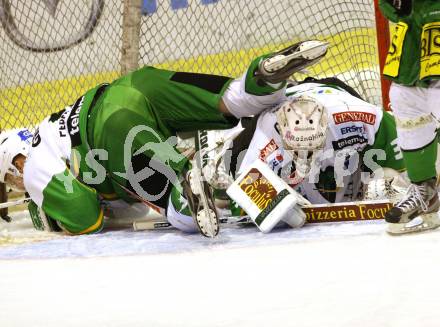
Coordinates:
(54, 50)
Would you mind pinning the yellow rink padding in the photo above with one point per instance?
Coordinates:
(28, 105)
(345, 54)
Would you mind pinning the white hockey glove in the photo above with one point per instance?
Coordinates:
(266, 198)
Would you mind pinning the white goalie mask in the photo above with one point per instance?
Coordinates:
(303, 127)
(13, 143)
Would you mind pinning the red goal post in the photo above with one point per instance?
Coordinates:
(383, 44)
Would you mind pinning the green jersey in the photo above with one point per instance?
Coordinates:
(86, 152)
(414, 55)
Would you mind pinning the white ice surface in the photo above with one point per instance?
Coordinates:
(347, 274)
(124, 241)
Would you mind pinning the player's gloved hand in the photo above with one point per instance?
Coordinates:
(40, 220)
(403, 7)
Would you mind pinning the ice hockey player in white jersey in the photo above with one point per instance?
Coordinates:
(318, 138)
(324, 141)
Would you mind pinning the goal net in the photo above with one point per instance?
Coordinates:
(54, 50)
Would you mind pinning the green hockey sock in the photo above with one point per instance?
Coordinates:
(180, 203)
(420, 163)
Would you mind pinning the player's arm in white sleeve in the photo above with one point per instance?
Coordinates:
(58, 198)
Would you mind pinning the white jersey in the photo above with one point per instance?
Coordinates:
(50, 151)
(353, 124)
(51, 155)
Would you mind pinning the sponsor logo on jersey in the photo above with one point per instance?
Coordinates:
(430, 56)
(56, 115)
(258, 188)
(392, 62)
(73, 122)
(275, 162)
(349, 141)
(203, 144)
(290, 137)
(353, 116)
(25, 135)
(268, 149)
(62, 127)
(36, 140)
(352, 129)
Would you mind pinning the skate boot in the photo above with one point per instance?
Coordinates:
(281, 64)
(421, 201)
(201, 202)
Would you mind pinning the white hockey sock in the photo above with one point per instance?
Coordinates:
(242, 104)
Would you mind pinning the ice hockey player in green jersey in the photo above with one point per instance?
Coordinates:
(413, 64)
(117, 141)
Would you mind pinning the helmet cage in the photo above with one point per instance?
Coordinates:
(303, 124)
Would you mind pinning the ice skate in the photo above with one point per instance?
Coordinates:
(282, 64)
(421, 202)
(201, 202)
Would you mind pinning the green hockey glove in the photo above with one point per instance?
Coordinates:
(40, 220)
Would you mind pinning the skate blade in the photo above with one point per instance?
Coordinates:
(205, 218)
(309, 50)
(208, 223)
(426, 222)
